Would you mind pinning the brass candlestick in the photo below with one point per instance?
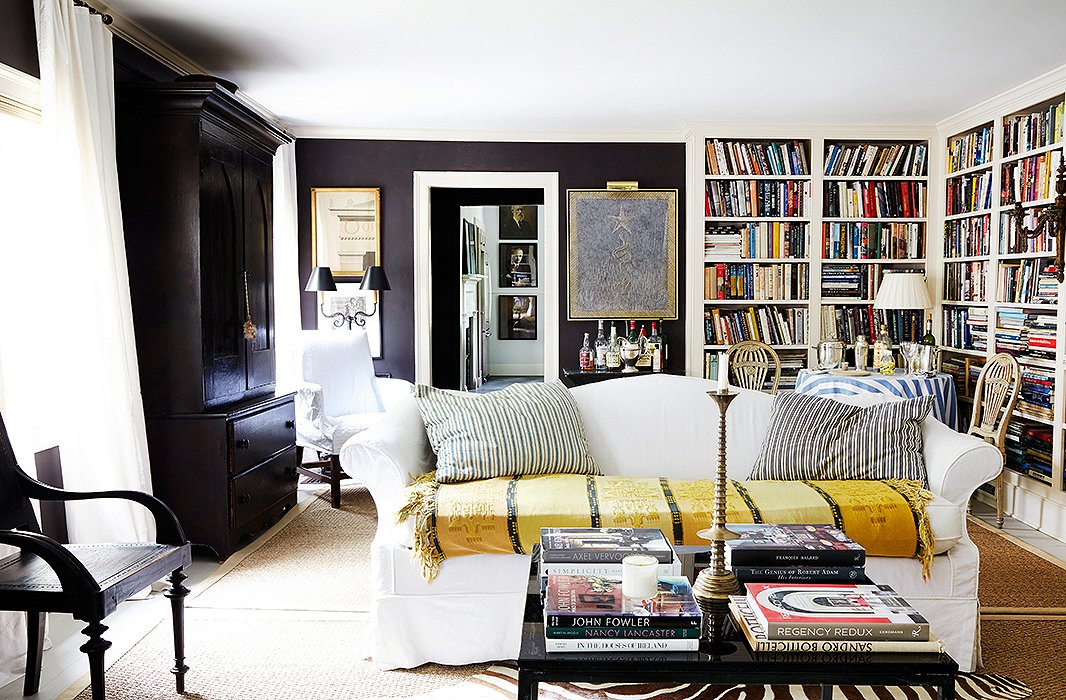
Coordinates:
(715, 584)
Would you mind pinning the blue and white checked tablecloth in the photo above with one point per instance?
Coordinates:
(907, 386)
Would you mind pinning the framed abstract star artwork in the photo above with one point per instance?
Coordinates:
(622, 254)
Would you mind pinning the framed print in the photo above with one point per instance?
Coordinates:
(518, 318)
(518, 264)
(346, 229)
(622, 254)
(518, 222)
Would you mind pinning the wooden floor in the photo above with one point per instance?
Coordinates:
(64, 663)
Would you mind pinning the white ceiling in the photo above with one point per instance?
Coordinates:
(610, 65)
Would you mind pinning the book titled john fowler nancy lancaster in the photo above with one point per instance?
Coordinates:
(590, 544)
(589, 613)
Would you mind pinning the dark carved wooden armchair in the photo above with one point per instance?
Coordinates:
(88, 581)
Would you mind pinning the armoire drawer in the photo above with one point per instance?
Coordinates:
(256, 437)
(257, 489)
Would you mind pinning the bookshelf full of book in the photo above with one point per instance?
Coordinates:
(998, 288)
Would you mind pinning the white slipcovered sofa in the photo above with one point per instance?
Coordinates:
(657, 425)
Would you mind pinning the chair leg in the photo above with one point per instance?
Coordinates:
(335, 480)
(176, 593)
(95, 648)
(999, 500)
(34, 651)
(299, 455)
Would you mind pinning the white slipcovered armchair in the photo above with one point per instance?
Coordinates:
(337, 396)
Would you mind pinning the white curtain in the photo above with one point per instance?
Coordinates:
(287, 287)
(100, 418)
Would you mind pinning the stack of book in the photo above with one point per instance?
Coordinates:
(721, 243)
(589, 551)
(794, 552)
(977, 321)
(789, 617)
(957, 330)
(1029, 448)
(1037, 395)
(1043, 329)
(1012, 335)
(1028, 282)
(590, 614)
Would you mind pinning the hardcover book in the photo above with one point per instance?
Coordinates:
(795, 544)
(835, 611)
(597, 645)
(597, 602)
(753, 631)
(588, 544)
(800, 574)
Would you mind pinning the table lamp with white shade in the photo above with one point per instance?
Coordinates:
(905, 290)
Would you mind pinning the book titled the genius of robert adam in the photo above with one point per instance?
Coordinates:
(590, 544)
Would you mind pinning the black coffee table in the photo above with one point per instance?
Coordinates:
(730, 663)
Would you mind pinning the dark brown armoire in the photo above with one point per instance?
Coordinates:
(195, 171)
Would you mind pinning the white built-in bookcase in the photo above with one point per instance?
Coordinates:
(817, 139)
(1040, 504)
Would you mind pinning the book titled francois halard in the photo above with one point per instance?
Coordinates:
(792, 544)
(832, 611)
(590, 544)
(596, 602)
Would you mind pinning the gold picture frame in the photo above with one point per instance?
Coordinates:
(346, 230)
(622, 254)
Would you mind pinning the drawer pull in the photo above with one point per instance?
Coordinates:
(243, 444)
(290, 424)
(245, 498)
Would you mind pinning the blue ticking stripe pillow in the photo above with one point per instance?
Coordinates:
(523, 429)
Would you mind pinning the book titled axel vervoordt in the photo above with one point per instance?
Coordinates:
(755, 634)
(831, 611)
(596, 602)
(591, 544)
(807, 545)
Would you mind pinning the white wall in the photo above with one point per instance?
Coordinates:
(510, 358)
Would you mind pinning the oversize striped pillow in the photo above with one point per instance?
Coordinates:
(811, 437)
(523, 429)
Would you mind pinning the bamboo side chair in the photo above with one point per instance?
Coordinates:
(994, 398)
(750, 362)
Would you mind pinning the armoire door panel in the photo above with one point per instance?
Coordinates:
(221, 203)
(258, 257)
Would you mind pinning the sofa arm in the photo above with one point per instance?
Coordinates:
(387, 456)
(392, 390)
(957, 464)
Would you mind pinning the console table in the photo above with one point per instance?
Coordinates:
(577, 377)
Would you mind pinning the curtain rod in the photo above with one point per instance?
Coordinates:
(104, 17)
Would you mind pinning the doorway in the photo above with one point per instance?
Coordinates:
(439, 267)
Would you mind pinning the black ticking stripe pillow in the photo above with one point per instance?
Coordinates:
(811, 437)
(523, 429)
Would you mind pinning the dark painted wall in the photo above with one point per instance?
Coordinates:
(390, 165)
(18, 36)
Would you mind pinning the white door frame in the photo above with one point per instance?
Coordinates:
(549, 255)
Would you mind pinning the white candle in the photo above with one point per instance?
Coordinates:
(640, 576)
(723, 371)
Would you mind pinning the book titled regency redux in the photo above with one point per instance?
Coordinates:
(831, 611)
(590, 544)
(792, 544)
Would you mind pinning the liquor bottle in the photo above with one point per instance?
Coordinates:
(929, 338)
(655, 348)
(883, 360)
(632, 332)
(665, 347)
(642, 340)
(584, 357)
(614, 351)
(862, 350)
(600, 361)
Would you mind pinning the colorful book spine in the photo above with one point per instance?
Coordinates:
(622, 633)
(598, 645)
(799, 573)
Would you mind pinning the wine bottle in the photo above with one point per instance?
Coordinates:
(665, 347)
(584, 357)
(642, 340)
(614, 351)
(632, 331)
(929, 338)
(600, 361)
(655, 348)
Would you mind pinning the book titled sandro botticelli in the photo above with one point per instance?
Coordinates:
(792, 544)
(589, 544)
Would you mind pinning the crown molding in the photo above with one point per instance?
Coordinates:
(340, 132)
(20, 93)
(1040, 88)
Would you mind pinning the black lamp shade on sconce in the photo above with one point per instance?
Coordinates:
(321, 280)
(374, 279)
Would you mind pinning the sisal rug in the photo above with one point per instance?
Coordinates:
(1014, 576)
(286, 618)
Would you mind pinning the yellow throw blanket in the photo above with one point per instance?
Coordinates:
(504, 515)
